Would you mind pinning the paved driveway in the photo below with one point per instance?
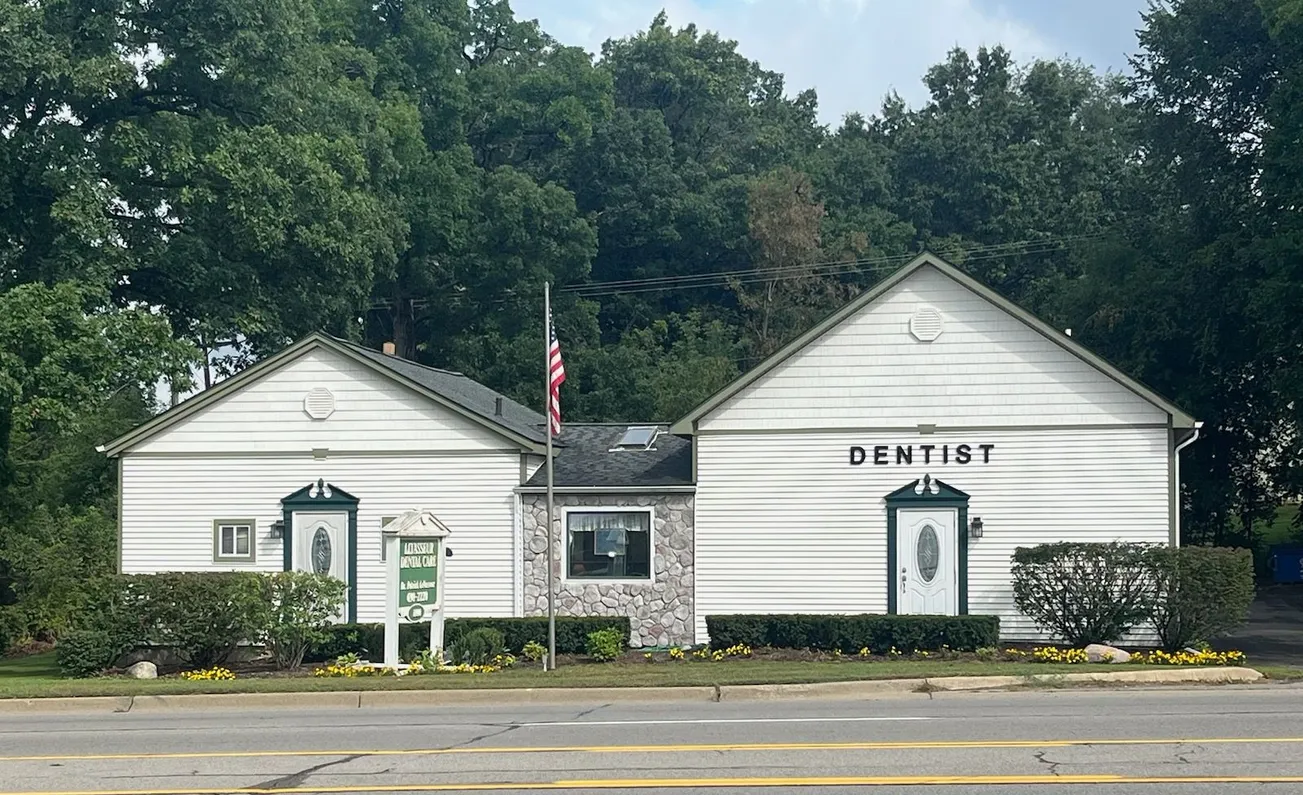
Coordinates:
(1274, 633)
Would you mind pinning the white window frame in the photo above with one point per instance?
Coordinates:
(651, 543)
(234, 557)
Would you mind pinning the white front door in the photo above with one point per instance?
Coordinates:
(321, 546)
(927, 561)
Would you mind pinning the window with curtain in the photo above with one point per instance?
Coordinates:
(608, 545)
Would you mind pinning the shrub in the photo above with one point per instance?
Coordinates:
(202, 616)
(534, 651)
(369, 639)
(851, 633)
(1083, 593)
(364, 640)
(296, 610)
(87, 652)
(476, 647)
(605, 644)
(11, 628)
(1200, 592)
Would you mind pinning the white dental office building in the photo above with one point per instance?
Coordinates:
(889, 460)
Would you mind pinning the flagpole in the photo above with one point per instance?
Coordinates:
(547, 402)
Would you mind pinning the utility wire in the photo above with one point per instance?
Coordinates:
(830, 268)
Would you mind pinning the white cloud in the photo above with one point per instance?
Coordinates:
(853, 52)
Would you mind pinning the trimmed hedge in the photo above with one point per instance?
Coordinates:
(368, 640)
(1096, 593)
(1203, 592)
(850, 633)
(1083, 593)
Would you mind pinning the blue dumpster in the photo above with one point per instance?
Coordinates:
(1286, 562)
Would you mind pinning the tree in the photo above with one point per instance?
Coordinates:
(786, 293)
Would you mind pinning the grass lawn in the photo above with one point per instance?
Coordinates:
(37, 677)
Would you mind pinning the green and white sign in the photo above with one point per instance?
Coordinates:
(418, 578)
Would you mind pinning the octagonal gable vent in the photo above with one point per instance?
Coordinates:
(926, 324)
(319, 403)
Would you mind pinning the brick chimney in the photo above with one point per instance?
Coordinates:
(389, 349)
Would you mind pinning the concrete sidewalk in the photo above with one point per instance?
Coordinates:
(415, 698)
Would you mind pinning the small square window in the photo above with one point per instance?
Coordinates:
(233, 540)
(608, 545)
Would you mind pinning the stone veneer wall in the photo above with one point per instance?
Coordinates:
(661, 610)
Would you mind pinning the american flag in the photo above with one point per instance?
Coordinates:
(556, 377)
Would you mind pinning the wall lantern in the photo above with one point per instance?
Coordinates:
(278, 528)
(975, 528)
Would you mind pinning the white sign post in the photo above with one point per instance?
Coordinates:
(414, 576)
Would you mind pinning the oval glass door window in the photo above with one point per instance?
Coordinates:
(322, 553)
(928, 553)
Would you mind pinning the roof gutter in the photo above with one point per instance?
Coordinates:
(1176, 463)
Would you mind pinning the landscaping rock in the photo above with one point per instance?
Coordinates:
(143, 670)
(1097, 652)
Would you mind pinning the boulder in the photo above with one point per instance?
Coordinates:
(1097, 652)
(143, 670)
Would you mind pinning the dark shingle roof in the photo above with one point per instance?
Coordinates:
(465, 392)
(585, 458)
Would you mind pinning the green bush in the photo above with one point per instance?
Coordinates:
(368, 640)
(12, 628)
(1084, 593)
(605, 644)
(476, 647)
(1200, 592)
(296, 609)
(202, 616)
(850, 633)
(87, 652)
(533, 651)
(571, 631)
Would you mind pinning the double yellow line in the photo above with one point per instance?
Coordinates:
(684, 783)
(702, 783)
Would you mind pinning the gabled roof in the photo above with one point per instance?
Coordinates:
(589, 459)
(688, 424)
(453, 391)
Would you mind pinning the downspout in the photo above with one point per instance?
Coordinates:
(1176, 463)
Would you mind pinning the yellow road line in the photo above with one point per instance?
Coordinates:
(661, 749)
(697, 783)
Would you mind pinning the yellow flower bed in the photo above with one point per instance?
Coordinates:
(1204, 657)
(209, 675)
(1053, 654)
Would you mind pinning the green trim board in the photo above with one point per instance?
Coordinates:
(912, 496)
(688, 425)
(340, 501)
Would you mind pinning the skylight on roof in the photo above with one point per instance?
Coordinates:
(638, 437)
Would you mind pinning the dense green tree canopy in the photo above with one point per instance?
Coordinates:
(187, 186)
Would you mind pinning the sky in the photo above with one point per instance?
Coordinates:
(853, 52)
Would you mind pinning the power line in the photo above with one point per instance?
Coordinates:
(829, 268)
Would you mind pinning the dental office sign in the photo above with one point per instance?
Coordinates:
(905, 454)
(418, 577)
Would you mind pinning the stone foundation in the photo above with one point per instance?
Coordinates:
(661, 610)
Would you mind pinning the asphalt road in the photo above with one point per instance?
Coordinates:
(1213, 740)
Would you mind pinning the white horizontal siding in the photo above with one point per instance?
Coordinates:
(372, 412)
(785, 524)
(169, 504)
(986, 368)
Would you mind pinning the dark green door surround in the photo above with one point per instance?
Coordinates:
(927, 492)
